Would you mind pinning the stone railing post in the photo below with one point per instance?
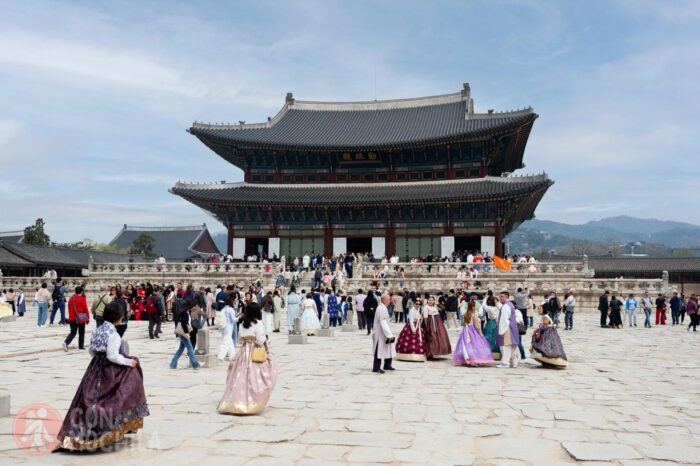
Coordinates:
(664, 281)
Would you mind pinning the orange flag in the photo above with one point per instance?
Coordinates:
(501, 263)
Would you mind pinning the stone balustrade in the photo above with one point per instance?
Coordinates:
(450, 269)
(177, 268)
(559, 277)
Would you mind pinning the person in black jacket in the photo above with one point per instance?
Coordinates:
(370, 306)
(126, 311)
(604, 307)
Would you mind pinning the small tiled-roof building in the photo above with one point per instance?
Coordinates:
(28, 260)
(173, 243)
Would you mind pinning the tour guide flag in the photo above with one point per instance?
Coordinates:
(501, 263)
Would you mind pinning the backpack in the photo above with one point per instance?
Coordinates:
(56, 294)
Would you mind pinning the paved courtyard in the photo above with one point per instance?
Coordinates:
(629, 397)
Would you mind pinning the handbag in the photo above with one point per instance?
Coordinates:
(259, 354)
(81, 317)
(538, 335)
(522, 329)
(179, 331)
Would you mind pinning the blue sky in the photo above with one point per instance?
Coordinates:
(95, 96)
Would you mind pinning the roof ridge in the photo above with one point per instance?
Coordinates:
(181, 228)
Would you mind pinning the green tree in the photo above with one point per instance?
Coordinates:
(683, 252)
(35, 234)
(143, 244)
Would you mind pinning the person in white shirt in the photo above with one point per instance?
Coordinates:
(227, 348)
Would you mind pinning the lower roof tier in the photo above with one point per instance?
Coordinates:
(214, 196)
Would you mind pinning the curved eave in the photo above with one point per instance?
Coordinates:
(203, 198)
(209, 137)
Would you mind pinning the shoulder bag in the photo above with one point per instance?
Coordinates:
(259, 354)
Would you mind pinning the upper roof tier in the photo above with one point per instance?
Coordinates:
(308, 125)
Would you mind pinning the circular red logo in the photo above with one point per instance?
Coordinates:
(35, 429)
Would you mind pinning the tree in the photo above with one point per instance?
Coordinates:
(581, 247)
(683, 252)
(143, 244)
(35, 234)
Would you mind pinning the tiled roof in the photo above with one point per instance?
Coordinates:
(8, 259)
(375, 124)
(173, 243)
(344, 194)
(630, 265)
(11, 236)
(47, 256)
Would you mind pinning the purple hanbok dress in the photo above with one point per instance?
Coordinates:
(110, 401)
(472, 348)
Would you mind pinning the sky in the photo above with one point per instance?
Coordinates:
(95, 97)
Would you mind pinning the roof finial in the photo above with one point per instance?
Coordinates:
(289, 100)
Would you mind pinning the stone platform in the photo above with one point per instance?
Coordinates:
(629, 397)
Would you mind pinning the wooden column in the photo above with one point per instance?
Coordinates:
(328, 241)
(499, 239)
(483, 170)
(229, 241)
(390, 241)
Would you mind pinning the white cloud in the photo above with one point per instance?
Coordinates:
(134, 178)
(9, 130)
(106, 65)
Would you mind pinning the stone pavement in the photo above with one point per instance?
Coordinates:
(629, 397)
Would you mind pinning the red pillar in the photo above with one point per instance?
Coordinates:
(229, 241)
(390, 241)
(499, 240)
(328, 241)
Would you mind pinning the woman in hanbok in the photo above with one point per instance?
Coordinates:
(615, 312)
(491, 328)
(309, 316)
(546, 345)
(209, 301)
(472, 348)
(250, 382)
(110, 401)
(436, 340)
(411, 343)
(229, 320)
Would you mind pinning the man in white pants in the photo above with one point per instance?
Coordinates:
(508, 337)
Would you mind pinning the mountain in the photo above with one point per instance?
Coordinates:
(608, 232)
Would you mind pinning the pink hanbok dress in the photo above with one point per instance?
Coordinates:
(249, 384)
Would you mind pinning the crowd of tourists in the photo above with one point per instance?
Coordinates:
(492, 330)
(611, 308)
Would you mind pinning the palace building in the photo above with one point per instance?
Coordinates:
(408, 176)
